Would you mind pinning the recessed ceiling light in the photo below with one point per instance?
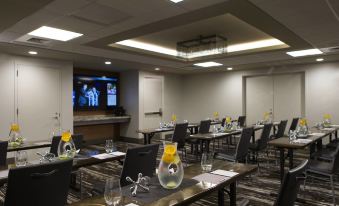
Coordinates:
(108, 62)
(33, 52)
(157, 69)
(176, 1)
(319, 59)
(306, 52)
(230, 48)
(54, 33)
(229, 68)
(208, 64)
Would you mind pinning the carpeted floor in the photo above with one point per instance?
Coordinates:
(259, 189)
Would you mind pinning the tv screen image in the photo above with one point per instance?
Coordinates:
(94, 92)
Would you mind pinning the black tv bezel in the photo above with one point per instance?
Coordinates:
(107, 108)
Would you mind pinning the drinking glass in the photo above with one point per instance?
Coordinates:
(109, 146)
(207, 161)
(112, 193)
(20, 158)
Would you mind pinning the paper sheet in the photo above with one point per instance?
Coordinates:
(102, 156)
(302, 141)
(225, 173)
(42, 143)
(4, 174)
(211, 178)
(131, 204)
(117, 153)
(317, 134)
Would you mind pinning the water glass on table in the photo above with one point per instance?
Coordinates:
(207, 161)
(21, 158)
(112, 192)
(109, 146)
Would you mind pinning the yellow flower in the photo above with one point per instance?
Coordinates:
(174, 118)
(228, 120)
(169, 154)
(66, 136)
(15, 127)
(266, 115)
(303, 122)
(327, 116)
(216, 114)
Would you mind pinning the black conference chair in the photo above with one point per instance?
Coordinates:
(39, 185)
(139, 160)
(294, 124)
(3, 152)
(242, 121)
(179, 136)
(320, 169)
(77, 139)
(261, 144)
(291, 185)
(281, 130)
(203, 129)
(241, 150)
(223, 121)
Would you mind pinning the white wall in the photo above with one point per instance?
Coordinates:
(223, 91)
(7, 70)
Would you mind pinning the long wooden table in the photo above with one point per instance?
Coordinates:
(27, 145)
(150, 132)
(315, 143)
(192, 193)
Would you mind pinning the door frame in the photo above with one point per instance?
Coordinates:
(303, 82)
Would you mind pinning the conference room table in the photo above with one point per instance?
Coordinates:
(207, 138)
(313, 141)
(192, 193)
(27, 145)
(149, 133)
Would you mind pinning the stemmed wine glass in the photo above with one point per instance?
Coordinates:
(112, 193)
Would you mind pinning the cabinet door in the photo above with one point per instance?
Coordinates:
(38, 101)
(7, 108)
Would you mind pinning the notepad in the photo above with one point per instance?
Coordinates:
(131, 204)
(4, 174)
(102, 156)
(329, 129)
(302, 141)
(210, 178)
(317, 134)
(225, 173)
(117, 153)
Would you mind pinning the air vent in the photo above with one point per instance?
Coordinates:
(37, 40)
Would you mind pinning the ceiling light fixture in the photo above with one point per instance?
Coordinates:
(319, 59)
(157, 69)
(208, 64)
(33, 52)
(108, 62)
(54, 33)
(306, 52)
(230, 48)
(176, 1)
(229, 68)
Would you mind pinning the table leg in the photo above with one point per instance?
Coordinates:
(290, 154)
(282, 163)
(253, 137)
(145, 139)
(312, 150)
(207, 145)
(233, 194)
(319, 145)
(221, 197)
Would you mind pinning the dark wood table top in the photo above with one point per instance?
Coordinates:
(189, 194)
(159, 130)
(29, 145)
(315, 135)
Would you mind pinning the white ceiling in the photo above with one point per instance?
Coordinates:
(312, 21)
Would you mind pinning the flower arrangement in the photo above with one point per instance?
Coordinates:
(302, 129)
(216, 115)
(327, 120)
(15, 138)
(174, 118)
(303, 122)
(267, 116)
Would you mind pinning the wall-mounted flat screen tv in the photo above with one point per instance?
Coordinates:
(94, 92)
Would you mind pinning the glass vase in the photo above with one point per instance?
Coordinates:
(15, 138)
(171, 171)
(66, 148)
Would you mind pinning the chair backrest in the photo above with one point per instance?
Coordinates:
(223, 121)
(205, 126)
(243, 144)
(139, 160)
(281, 129)
(77, 139)
(335, 160)
(39, 185)
(241, 121)
(265, 136)
(291, 185)
(294, 123)
(179, 134)
(3, 152)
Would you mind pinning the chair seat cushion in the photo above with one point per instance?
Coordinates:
(327, 154)
(192, 141)
(253, 146)
(226, 154)
(333, 144)
(320, 167)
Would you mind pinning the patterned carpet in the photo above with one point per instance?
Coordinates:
(259, 189)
